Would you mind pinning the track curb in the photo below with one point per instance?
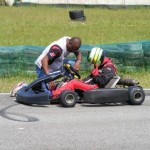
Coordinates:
(147, 92)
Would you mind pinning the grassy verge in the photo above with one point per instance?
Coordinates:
(7, 83)
(31, 25)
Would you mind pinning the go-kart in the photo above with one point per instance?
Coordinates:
(34, 92)
(117, 90)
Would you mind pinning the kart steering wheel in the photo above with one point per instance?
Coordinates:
(72, 71)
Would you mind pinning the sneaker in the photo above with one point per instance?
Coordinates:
(17, 88)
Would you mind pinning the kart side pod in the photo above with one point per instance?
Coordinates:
(33, 94)
(133, 95)
(31, 97)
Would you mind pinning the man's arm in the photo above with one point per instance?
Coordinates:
(45, 65)
(79, 59)
(53, 53)
(78, 55)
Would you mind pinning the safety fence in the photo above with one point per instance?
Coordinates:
(133, 56)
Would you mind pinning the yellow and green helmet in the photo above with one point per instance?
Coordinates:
(95, 55)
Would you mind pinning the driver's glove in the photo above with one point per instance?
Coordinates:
(95, 71)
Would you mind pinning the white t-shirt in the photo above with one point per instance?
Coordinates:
(57, 64)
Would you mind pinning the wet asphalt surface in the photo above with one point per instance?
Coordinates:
(84, 127)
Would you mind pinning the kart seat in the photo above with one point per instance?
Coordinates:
(47, 78)
(112, 83)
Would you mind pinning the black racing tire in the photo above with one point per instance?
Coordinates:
(136, 95)
(80, 19)
(68, 98)
(75, 14)
(147, 53)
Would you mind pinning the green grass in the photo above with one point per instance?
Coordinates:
(143, 77)
(31, 25)
(8, 83)
(40, 25)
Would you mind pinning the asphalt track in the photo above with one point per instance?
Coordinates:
(84, 127)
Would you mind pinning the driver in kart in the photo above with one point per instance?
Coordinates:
(104, 70)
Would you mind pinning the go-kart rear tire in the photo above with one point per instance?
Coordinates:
(68, 98)
(136, 95)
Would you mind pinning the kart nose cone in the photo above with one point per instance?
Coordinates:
(31, 97)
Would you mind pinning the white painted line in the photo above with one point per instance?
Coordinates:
(4, 93)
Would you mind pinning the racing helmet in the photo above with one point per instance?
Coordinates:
(96, 55)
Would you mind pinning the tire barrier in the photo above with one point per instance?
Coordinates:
(18, 59)
(126, 56)
(134, 62)
(77, 15)
(146, 49)
(113, 51)
(131, 47)
(147, 61)
(133, 55)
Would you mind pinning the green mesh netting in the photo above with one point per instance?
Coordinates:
(127, 57)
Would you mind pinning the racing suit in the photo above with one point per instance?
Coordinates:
(98, 79)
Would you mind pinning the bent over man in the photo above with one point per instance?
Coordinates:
(54, 55)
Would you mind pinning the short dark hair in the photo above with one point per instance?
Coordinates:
(76, 39)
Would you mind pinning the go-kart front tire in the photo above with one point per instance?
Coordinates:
(136, 95)
(68, 98)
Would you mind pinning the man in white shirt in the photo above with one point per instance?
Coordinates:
(53, 57)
